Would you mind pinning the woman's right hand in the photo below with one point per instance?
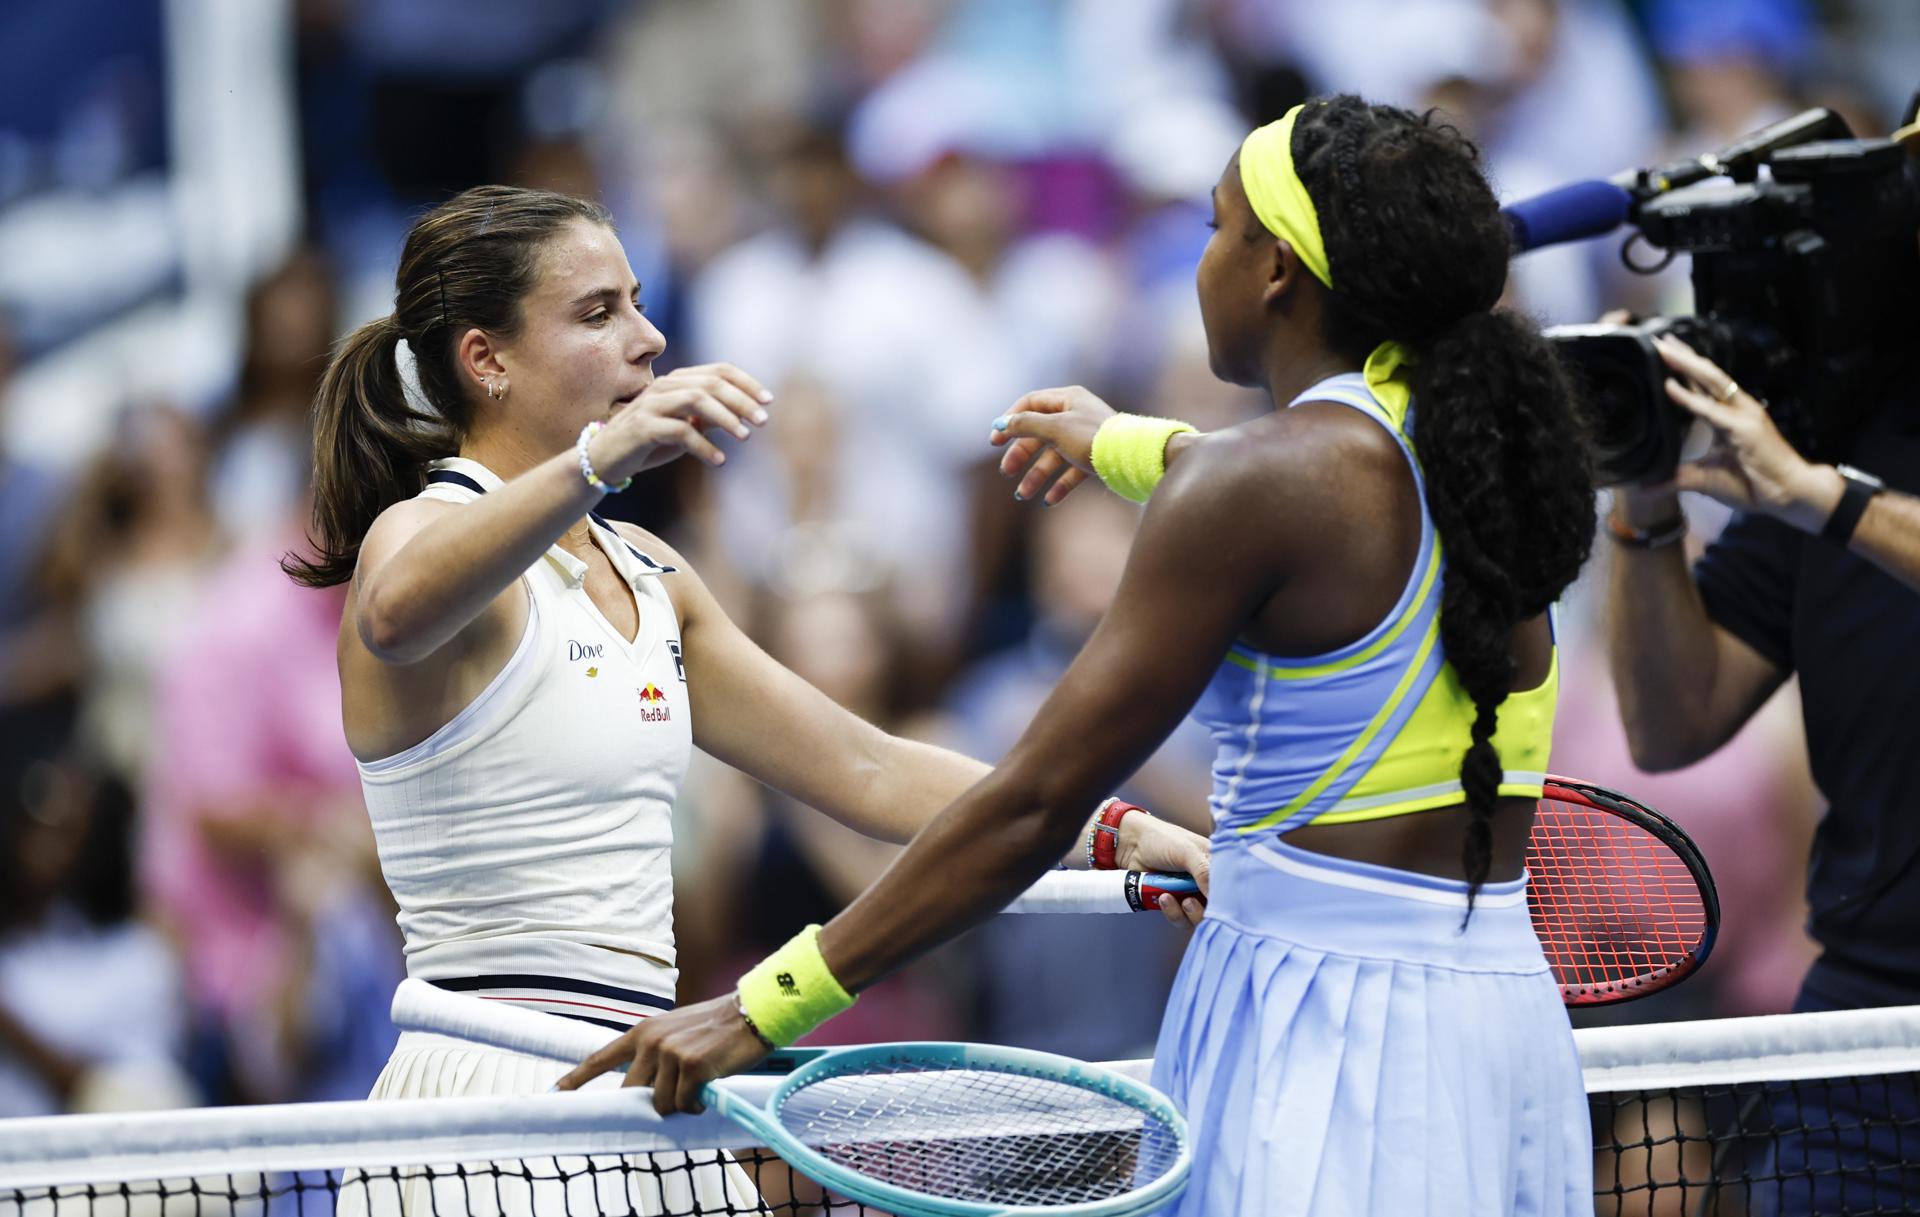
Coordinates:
(672, 415)
(1147, 843)
(1049, 434)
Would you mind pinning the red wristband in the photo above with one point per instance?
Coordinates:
(1105, 834)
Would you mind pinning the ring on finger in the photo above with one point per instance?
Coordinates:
(1727, 394)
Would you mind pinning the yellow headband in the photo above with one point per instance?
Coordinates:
(1281, 201)
(1278, 196)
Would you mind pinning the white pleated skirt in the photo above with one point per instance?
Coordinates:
(653, 1185)
(1343, 1048)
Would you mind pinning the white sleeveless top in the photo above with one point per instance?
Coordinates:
(534, 830)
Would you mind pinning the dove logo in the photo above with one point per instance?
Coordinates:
(578, 651)
(653, 704)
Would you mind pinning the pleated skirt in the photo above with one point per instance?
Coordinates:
(634, 1185)
(1342, 1047)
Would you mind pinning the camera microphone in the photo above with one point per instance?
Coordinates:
(1570, 213)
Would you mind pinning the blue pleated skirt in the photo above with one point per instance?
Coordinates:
(1342, 1047)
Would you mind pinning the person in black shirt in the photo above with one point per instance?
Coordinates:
(1817, 576)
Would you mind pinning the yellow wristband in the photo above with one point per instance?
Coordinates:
(791, 992)
(1130, 453)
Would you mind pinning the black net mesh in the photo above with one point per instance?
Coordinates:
(699, 1183)
(1827, 1146)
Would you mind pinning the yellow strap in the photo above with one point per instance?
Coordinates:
(1360, 741)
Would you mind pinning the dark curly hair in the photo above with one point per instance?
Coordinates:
(1418, 252)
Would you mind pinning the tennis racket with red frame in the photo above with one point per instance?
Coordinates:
(1622, 901)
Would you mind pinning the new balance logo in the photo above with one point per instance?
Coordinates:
(787, 985)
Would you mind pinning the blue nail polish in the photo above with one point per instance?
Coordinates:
(1018, 497)
(1000, 424)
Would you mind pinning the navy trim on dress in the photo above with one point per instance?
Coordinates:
(458, 479)
(461, 479)
(560, 984)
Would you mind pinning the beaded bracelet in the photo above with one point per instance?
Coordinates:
(586, 462)
(739, 1004)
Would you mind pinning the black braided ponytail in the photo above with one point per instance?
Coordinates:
(1418, 253)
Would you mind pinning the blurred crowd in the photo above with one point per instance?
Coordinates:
(900, 215)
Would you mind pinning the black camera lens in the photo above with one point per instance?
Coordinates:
(1632, 427)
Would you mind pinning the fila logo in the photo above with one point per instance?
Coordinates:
(578, 650)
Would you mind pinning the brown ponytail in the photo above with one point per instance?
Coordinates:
(467, 264)
(370, 449)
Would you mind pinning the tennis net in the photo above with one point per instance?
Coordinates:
(1810, 1113)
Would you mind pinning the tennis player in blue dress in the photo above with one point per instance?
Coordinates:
(1353, 593)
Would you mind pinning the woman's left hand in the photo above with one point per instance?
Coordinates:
(1148, 843)
(677, 1053)
(1751, 466)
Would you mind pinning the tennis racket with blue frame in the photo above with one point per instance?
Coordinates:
(918, 1129)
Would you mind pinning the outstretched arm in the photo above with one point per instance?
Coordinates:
(757, 715)
(427, 571)
(1138, 675)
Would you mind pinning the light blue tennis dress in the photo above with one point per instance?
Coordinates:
(1341, 1045)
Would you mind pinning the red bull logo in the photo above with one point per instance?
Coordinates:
(653, 703)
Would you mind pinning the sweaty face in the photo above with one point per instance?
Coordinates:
(1231, 280)
(585, 347)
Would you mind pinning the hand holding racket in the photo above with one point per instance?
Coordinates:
(1179, 860)
(1621, 899)
(921, 1130)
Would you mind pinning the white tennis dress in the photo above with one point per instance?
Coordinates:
(527, 843)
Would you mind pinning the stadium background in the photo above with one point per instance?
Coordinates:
(898, 213)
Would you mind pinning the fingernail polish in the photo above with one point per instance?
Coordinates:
(1018, 497)
(1000, 424)
(765, 396)
(759, 416)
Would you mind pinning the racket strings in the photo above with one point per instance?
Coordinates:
(984, 1136)
(1612, 904)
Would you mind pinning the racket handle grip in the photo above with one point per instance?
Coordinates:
(1144, 889)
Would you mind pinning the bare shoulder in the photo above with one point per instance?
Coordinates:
(1292, 461)
(397, 525)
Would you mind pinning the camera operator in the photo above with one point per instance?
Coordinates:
(1817, 576)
